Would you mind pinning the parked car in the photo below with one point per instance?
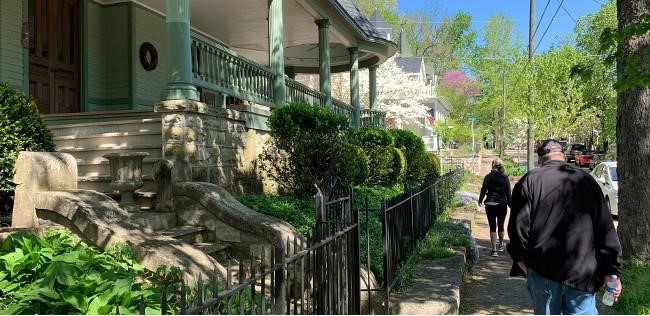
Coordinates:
(584, 158)
(606, 175)
(596, 159)
(572, 150)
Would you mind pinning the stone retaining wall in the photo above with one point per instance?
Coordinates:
(221, 145)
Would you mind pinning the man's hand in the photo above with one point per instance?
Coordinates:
(523, 266)
(617, 290)
(480, 204)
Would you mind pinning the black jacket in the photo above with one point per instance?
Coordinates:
(497, 187)
(561, 227)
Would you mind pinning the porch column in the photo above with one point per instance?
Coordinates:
(372, 76)
(179, 86)
(276, 51)
(354, 86)
(324, 60)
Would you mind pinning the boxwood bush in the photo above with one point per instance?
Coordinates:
(418, 165)
(21, 128)
(378, 145)
(305, 144)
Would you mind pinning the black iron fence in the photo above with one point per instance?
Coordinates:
(322, 278)
(6, 208)
(405, 220)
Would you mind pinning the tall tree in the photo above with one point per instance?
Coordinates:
(633, 126)
(597, 77)
(444, 42)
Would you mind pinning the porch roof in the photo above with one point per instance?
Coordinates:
(242, 26)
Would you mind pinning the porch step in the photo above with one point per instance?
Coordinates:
(111, 139)
(102, 183)
(189, 234)
(145, 199)
(155, 220)
(212, 248)
(103, 168)
(111, 126)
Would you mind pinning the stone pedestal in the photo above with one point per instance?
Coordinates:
(126, 176)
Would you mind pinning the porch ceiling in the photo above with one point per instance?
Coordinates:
(242, 25)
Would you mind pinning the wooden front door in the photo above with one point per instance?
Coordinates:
(54, 55)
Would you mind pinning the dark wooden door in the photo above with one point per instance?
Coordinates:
(54, 55)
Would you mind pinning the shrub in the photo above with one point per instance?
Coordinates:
(302, 151)
(435, 166)
(397, 167)
(377, 144)
(417, 163)
(512, 169)
(352, 164)
(21, 128)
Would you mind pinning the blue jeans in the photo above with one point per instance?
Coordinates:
(552, 298)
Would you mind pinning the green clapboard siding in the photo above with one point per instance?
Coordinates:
(108, 57)
(11, 51)
(149, 27)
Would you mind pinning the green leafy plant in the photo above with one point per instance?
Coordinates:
(439, 242)
(512, 169)
(299, 212)
(305, 143)
(635, 299)
(59, 274)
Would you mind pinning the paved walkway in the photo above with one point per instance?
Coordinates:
(489, 289)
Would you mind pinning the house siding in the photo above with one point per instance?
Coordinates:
(149, 85)
(11, 51)
(108, 57)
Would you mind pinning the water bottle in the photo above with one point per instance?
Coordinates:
(608, 297)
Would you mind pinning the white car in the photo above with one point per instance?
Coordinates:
(606, 175)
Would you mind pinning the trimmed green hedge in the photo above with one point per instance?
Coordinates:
(419, 166)
(304, 147)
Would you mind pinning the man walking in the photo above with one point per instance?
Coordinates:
(562, 236)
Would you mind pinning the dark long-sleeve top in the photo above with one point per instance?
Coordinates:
(561, 227)
(497, 188)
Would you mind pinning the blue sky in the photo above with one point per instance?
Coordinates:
(482, 10)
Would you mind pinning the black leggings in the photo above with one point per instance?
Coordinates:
(496, 213)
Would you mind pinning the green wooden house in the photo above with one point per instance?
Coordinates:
(178, 77)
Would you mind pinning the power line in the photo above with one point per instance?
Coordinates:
(541, 17)
(567, 12)
(549, 26)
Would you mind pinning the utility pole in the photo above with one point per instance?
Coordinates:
(530, 151)
(502, 137)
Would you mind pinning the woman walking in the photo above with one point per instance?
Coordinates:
(496, 187)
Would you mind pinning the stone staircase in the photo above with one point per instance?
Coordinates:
(88, 137)
(166, 224)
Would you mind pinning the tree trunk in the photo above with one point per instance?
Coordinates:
(633, 139)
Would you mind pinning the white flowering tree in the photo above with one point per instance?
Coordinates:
(398, 94)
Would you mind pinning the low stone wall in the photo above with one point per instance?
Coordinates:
(470, 163)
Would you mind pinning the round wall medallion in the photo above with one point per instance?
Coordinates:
(148, 56)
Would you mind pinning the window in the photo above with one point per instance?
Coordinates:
(614, 173)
